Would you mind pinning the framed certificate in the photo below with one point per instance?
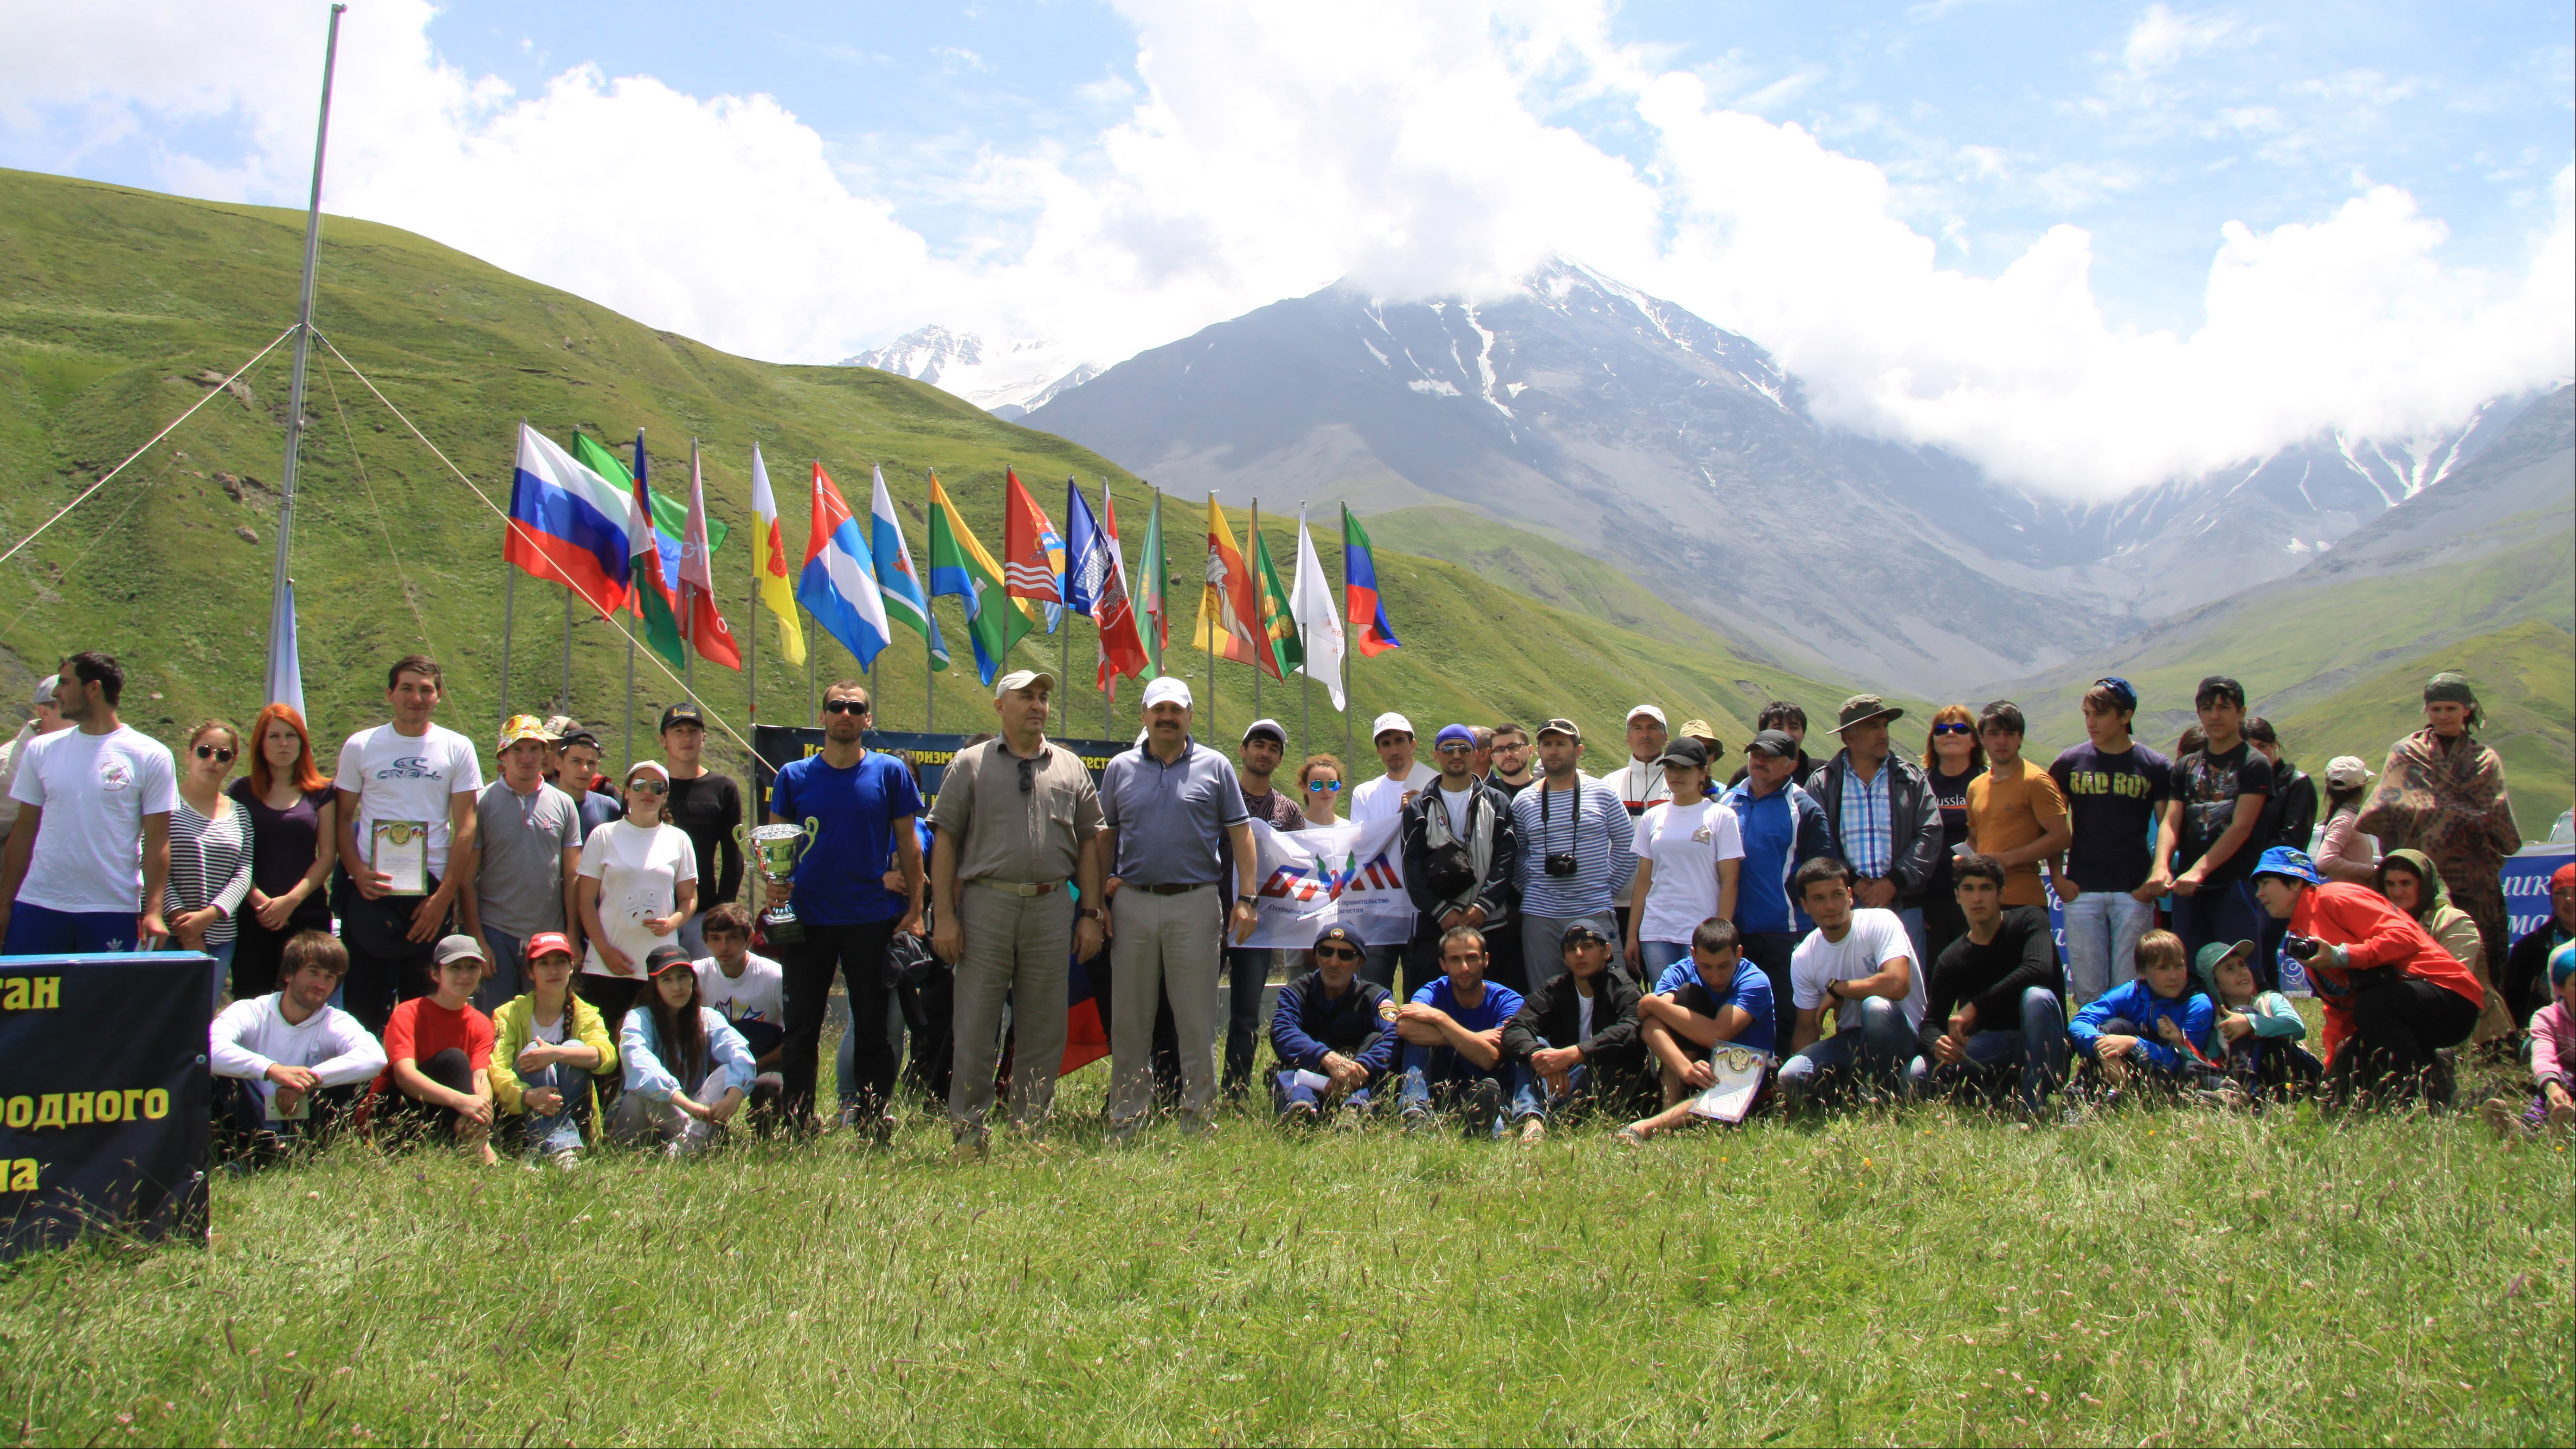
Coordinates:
(400, 849)
(1740, 1071)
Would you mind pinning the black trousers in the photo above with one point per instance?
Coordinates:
(407, 1119)
(1771, 951)
(930, 1016)
(385, 966)
(243, 1133)
(2397, 1026)
(858, 955)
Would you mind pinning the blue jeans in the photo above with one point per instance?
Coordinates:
(1875, 1051)
(2037, 1048)
(1476, 1094)
(223, 971)
(1530, 1096)
(561, 1131)
(1660, 956)
(36, 931)
(1287, 1093)
(2102, 931)
(2189, 1071)
(1247, 975)
(508, 969)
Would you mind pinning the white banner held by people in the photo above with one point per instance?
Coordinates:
(1330, 875)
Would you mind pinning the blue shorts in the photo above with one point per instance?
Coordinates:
(37, 931)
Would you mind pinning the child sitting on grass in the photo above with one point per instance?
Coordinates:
(2153, 1029)
(2553, 1059)
(549, 1046)
(2257, 1032)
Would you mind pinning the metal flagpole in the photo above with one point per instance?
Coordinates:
(1350, 662)
(759, 551)
(509, 613)
(638, 586)
(277, 584)
(689, 616)
(1252, 541)
(1306, 670)
(929, 683)
(567, 689)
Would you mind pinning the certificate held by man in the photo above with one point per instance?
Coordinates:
(400, 849)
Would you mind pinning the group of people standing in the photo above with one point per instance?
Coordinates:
(547, 957)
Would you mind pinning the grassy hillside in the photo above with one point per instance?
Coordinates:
(119, 308)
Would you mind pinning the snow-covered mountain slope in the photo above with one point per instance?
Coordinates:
(1006, 379)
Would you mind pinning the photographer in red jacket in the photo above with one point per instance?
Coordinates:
(2393, 997)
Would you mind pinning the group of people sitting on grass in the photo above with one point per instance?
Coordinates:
(555, 958)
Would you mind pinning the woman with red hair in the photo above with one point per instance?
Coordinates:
(293, 847)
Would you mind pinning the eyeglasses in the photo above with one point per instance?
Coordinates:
(649, 787)
(1454, 748)
(845, 706)
(1336, 953)
(1954, 727)
(1323, 787)
(1502, 745)
(216, 753)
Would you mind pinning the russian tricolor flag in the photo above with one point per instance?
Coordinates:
(567, 523)
(839, 584)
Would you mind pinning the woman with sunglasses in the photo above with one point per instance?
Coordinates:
(293, 847)
(209, 853)
(1319, 784)
(1952, 756)
(639, 881)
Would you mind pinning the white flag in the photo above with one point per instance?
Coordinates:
(1313, 604)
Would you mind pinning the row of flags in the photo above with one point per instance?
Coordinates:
(581, 517)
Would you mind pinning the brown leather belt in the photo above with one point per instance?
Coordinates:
(1019, 888)
(1173, 890)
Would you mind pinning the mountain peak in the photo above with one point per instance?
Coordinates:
(1006, 379)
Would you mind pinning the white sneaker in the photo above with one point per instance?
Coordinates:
(1533, 1132)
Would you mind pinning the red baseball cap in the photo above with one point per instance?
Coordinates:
(545, 941)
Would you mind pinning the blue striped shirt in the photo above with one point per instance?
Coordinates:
(1864, 828)
(1598, 833)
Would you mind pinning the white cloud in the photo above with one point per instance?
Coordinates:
(1271, 149)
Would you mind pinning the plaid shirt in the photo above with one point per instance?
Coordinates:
(1864, 829)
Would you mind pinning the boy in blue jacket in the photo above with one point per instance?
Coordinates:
(1334, 1034)
(2152, 1029)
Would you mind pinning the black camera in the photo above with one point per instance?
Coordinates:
(1560, 862)
(2302, 948)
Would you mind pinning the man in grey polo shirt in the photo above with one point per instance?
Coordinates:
(525, 862)
(1016, 819)
(1166, 805)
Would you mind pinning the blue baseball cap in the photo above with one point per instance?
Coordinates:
(1456, 734)
(2126, 692)
(2282, 860)
(2562, 963)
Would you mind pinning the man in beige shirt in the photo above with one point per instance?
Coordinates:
(1016, 819)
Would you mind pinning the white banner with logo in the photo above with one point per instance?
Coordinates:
(1330, 875)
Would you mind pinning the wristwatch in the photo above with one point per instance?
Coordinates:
(1094, 913)
(1245, 901)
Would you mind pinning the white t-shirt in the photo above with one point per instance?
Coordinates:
(1875, 938)
(249, 1036)
(550, 1032)
(408, 777)
(758, 994)
(1384, 796)
(1583, 1015)
(639, 869)
(1456, 803)
(95, 791)
(1684, 843)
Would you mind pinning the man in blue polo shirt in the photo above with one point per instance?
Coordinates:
(863, 803)
(1782, 825)
(1452, 1032)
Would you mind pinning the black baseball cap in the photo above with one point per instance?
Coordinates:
(663, 958)
(681, 713)
(1775, 743)
(2221, 687)
(1686, 752)
(1582, 933)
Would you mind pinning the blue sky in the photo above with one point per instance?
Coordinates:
(2013, 228)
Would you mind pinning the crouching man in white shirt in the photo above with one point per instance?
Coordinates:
(289, 1065)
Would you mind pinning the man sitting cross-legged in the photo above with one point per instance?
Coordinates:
(1334, 1034)
(289, 1064)
(1452, 1031)
(1993, 1013)
(1592, 1008)
(1860, 962)
(1718, 998)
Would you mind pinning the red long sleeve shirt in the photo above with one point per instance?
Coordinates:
(2373, 933)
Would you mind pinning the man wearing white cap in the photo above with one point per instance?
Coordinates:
(1384, 798)
(1166, 805)
(1640, 782)
(1018, 819)
(44, 717)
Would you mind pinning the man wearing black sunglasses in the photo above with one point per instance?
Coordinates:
(1333, 1033)
(89, 859)
(862, 803)
(1017, 821)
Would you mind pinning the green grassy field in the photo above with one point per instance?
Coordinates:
(1931, 1276)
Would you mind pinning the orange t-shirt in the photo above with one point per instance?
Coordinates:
(2009, 807)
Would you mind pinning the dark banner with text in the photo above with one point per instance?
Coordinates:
(777, 745)
(103, 1098)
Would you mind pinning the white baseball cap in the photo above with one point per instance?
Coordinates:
(45, 688)
(1167, 690)
(1391, 721)
(1268, 727)
(1650, 712)
(1023, 679)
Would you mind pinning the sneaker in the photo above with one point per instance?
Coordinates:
(1350, 1118)
(1300, 1115)
(1417, 1121)
(562, 1159)
(2441, 1084)
(1533, 1132)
